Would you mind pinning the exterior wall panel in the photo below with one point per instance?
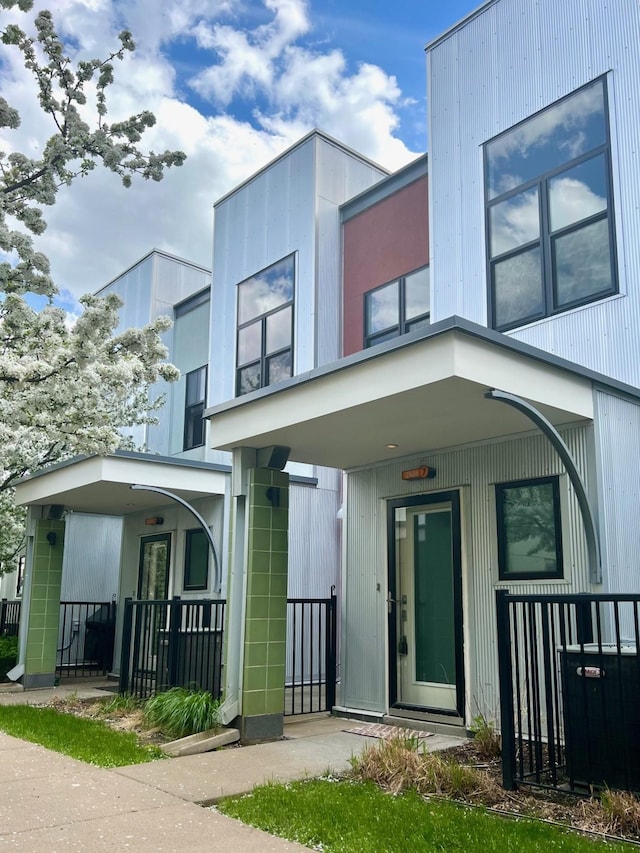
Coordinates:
(91, 562)
(618, 442)
(385, 241)
(473, 470)
(511, 60)
(314, 552)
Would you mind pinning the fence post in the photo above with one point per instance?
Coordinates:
(505, 678)
(330, 651)
(174, 639)
(3, 615)
(125, 652)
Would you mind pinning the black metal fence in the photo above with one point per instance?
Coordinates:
(311, 655)
(569, 691)
(9, 617)
(86, 635)
(173, 643)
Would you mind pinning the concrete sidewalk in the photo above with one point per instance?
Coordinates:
(52, 803)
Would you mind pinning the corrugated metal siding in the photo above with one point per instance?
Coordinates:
(618, 441)
(91, 563)
(510, 61)
(474, 471)
(291, 206)
(314, 548)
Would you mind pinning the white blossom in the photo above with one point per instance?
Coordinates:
(66, 389)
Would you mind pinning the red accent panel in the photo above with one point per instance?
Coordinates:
(383, 242)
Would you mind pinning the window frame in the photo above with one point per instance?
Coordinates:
(547, 238)
(500, 490)
(188, 539)
(191, 412)
(403, 326)
(265, 358)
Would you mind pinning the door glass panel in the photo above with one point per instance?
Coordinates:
(154, 568)
(434, 613)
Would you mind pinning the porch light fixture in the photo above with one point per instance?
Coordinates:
(52, 538)
(391, 446)
(156, 519)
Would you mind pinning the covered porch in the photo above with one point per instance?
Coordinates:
(410, 423)
(146, 563)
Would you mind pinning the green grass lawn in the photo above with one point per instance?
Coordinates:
(352, 817)
(86, 739)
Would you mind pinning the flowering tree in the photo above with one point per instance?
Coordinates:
(65, 389)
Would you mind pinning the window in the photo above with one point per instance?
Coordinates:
(196, 559)
(265, 327)
(396, 307)
(195, 395)
(550, 241)
(529, 529)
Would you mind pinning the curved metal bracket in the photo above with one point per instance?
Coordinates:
(198, 518)
(547, 428)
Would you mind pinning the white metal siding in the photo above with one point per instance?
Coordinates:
(91, 562)
(473, 470)
(314, 551)
(510, 61)
(618, 442)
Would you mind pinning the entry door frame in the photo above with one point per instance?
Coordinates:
(452, 497)
(155, 537)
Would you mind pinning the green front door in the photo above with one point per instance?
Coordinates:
(426, 612)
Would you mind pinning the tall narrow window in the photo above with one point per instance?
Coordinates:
(397, 307)
(529, 529)
(196, 560)
(195, 396)
(549, 211)
(265, 327)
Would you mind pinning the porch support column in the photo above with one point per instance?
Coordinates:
(40, 637)
(265, 617)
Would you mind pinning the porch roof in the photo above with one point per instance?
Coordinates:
(422, 392)
(101, 484)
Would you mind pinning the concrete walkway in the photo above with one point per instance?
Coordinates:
(52, 803)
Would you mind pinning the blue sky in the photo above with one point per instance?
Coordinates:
(232, 83)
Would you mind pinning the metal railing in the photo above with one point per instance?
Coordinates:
(10, 617)
(86, 635)
(569, 690)
(173, 643)
(310, 684)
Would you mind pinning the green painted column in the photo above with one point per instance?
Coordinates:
(265, 621)
(44, 605)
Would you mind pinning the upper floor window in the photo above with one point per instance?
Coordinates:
(195, 397)
(396, 307)
(549, 211)
(265, 327)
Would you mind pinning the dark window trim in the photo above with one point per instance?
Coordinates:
(546, 239)
(263, 361)
(404, 325)
(193, 412)
(500, 489)
(188, 538)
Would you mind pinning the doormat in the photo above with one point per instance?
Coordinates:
(384, 732)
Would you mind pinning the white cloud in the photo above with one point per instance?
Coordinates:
(284, 89)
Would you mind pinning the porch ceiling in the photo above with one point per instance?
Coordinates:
(422, 396)
(101, 484)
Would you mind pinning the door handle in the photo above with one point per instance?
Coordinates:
(390, 602)
(403, 647)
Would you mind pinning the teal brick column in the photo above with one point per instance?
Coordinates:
(44, 605)
(265, 621)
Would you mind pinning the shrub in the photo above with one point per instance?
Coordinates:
(180, 712)
(8, 655)
(486, 737)
(397, 765)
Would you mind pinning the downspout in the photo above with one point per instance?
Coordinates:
(547, 428)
